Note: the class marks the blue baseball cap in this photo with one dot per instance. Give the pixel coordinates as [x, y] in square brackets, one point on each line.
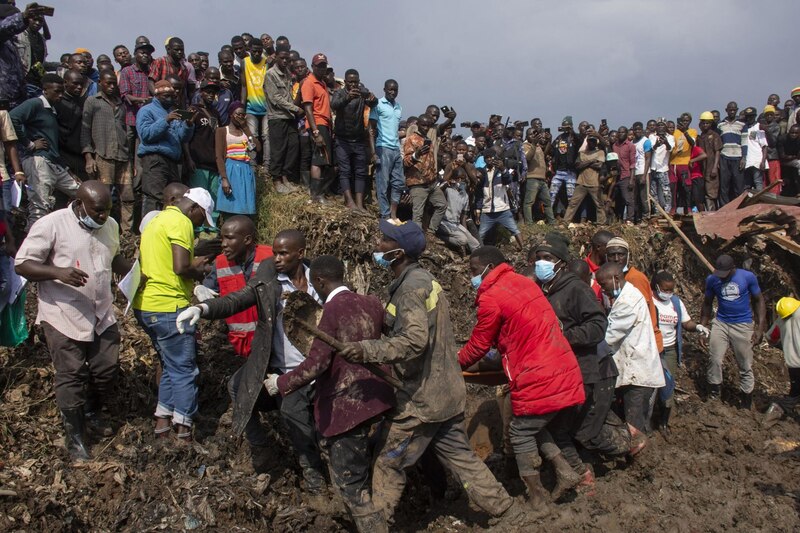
[408, 235]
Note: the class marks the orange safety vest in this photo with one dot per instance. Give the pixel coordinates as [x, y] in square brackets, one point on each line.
[241, 326]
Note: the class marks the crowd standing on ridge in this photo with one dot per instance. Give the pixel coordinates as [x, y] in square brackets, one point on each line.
[165, 148]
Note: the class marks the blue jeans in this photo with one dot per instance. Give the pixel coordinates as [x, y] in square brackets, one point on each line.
[659, 189]
[490, 220]
[562, 177]
[177, 391]
[389, 178]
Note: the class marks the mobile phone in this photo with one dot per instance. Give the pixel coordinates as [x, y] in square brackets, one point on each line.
[445, 109]
[427, 142]
[466, 124]
[459, 157]
[185, 114]
[547, 130]
[47, 11]
[523, 123]
[604, 122]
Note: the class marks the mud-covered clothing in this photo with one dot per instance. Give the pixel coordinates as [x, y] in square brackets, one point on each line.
[514, 316]
[346, 394]
[583, 321]
[403, 443]
[420, 345]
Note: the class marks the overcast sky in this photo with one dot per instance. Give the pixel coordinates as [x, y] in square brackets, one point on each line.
[616, 59]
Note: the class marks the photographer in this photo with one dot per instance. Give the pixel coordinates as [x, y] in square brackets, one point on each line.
[420, 170]
[565, 152]
[352, 138]
[662, 143]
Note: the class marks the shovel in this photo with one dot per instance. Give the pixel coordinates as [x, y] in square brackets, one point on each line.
[301, 314]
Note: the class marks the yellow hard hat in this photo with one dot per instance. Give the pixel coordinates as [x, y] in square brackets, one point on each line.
[786, 306]
[706, 115]
[769, 109]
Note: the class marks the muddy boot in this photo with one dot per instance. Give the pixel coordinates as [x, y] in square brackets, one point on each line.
[663, 424]
[259, 458]
[587, 483]
[315, 481]
[371, 523]
[566, 477]
[538, 497]
[74, 429]
[94, 420]
[638, 441]
[774, 413]
[714, 392]
[746, 401]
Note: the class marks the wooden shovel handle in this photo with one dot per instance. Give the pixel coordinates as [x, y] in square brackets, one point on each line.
[338, 345]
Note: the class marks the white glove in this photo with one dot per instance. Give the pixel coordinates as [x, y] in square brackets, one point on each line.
[271, 384]
[704, 331]
[192, 315]
[203, 293]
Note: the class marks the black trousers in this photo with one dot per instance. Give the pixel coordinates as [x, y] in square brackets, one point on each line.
[157, 172]
[297, 411]
[351, 156]
[284, 148]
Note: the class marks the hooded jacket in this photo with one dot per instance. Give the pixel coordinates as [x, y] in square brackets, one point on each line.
[583, 321]
[514, 316]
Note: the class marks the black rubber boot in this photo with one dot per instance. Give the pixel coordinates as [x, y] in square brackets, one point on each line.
[663, 425]
[714, 392]
[538, 497]
[74, 429]
[746, 401]
[566, 477]
[94, 420]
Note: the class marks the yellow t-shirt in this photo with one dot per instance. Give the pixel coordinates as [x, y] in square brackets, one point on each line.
[682, 151]
[164, 291]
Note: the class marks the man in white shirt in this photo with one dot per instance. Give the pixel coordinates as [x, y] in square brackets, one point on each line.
[754, 148]
[662, 143]
[631, 339]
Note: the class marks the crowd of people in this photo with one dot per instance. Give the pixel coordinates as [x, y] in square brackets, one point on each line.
[168, 147]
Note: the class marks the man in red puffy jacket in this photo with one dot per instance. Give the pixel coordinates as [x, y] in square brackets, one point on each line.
[543, 374]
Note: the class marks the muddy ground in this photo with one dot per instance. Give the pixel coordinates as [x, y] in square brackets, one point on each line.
[719, 471]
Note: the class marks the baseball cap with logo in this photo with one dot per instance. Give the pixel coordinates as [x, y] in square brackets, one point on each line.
[723, 266]
[319, 59]
[202, 198]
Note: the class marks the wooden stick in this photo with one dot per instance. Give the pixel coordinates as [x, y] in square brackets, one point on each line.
[683, 236]
[750, 200]
[338, 345]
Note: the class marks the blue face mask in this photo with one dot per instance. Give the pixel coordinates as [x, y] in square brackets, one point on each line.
[88, 221]
[545, 270]
[476, 280]
[378, 257]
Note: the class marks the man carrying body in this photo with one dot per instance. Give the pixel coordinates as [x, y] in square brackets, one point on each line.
[420, 172]
[631, 340]
[162, 133]
[36, 127]
[233, 268]
[735, 289]
[618, 251]
[543, 374]
[273, 353]
[583, 324]
[384, 121]
[349, 400]
[429, 408]
[71, 253]
[105, 146]
[168, 262]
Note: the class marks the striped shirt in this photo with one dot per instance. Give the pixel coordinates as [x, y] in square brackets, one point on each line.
[236, 146]
[731, 133]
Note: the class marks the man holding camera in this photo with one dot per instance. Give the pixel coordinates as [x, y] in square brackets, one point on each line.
[565, 152]
[420, 170]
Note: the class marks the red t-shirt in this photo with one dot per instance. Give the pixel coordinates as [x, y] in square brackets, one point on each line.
[696, 169]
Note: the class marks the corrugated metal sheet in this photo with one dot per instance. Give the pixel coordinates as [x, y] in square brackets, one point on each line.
[724, 223]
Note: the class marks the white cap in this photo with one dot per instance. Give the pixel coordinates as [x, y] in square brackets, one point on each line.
[202, 198]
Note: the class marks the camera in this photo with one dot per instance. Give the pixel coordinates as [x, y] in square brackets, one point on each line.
[445, 110]
[466, 124]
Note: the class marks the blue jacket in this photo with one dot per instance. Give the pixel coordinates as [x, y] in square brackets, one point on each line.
[12, 82]
[157, 136]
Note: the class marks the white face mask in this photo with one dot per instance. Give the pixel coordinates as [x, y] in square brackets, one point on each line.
[664, 296]
[88, 221]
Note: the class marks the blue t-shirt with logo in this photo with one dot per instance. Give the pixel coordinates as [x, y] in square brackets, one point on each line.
[733, 296]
